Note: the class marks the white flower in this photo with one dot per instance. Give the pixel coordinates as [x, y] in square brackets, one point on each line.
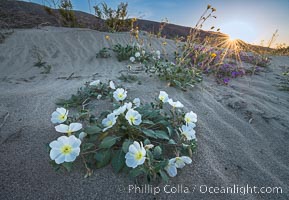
[119, 110]
[95, 83]
[98, 96]
[132, 59]
[128, 105]
[73, 127]
[188, 132]
[109, 121]
[171, 168]
[65, 149]
[143, 52]
[158, 53]
[176, 104]
[163, 96]
[177, 162]
[82, 135]
[137, 54]
[59, 116]
[120, 94]
[136, 155]
[111, 85]
[182, 161]
[133, 117]
[136, 102]
[191, 118]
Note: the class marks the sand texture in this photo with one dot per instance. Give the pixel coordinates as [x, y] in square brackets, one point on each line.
[242, 130]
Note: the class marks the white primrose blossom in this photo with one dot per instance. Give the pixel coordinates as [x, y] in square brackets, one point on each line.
[120, 94]
[177, 162]
[188, 132]
[137, 54]
[111, 85]
[136, 102]
[59, 116]
[157, 55]
[171, 168]
[132, 59]
[109, 121]
[128, 105]
[143, 52]
[136, 155]
[65, 149]
[95, 83]
[98, 96]
[163, 96]
[119, 110]
[73, 127]
[191, 118]
[182, 161]
[82, 135]
[176, 104]
[133, 117]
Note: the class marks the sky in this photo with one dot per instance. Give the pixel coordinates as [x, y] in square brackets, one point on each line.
[249, 20]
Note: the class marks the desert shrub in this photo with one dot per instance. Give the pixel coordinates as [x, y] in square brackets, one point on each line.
[284, 81]
[39, 61]
[145, 140]
[255, 59]
[67, 14]
[124, 52]
[93, 90]
[103, 53]
[115, 19]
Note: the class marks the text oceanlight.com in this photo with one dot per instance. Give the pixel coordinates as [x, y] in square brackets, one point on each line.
[203, 189]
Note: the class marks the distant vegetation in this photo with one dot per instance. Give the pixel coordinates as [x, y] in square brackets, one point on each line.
[115, 19]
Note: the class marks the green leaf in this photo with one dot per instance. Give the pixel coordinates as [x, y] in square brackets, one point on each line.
[162, 135]
[157, 152]
[136, 172]
[148, 122]
[164, 176]
[125, 145]
[118, 161]
[67, 165]
[86, 146]
[108, 142]
[92, 130]
[149, 133]
[161, 165]
[146, 141]
[170, 130]
[102, 157]
[171, 141]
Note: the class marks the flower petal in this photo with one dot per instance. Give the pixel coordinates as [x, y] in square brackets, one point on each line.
[61, 128]
[75, 127]
[54, 153]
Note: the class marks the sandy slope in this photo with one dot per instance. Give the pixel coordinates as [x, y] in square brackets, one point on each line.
[231, 150]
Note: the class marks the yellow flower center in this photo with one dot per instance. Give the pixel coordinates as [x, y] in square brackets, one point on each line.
[187, 119]
[109, 123]
[69, 132]
[131, 119]
[120, 95]
[162, 98]
[66, 149]
[61, 117]
[138, 155]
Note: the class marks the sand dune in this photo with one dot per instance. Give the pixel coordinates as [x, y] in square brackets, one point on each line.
[243, 128]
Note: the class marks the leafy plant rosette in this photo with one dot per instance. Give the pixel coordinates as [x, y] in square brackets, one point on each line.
[149, 141]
